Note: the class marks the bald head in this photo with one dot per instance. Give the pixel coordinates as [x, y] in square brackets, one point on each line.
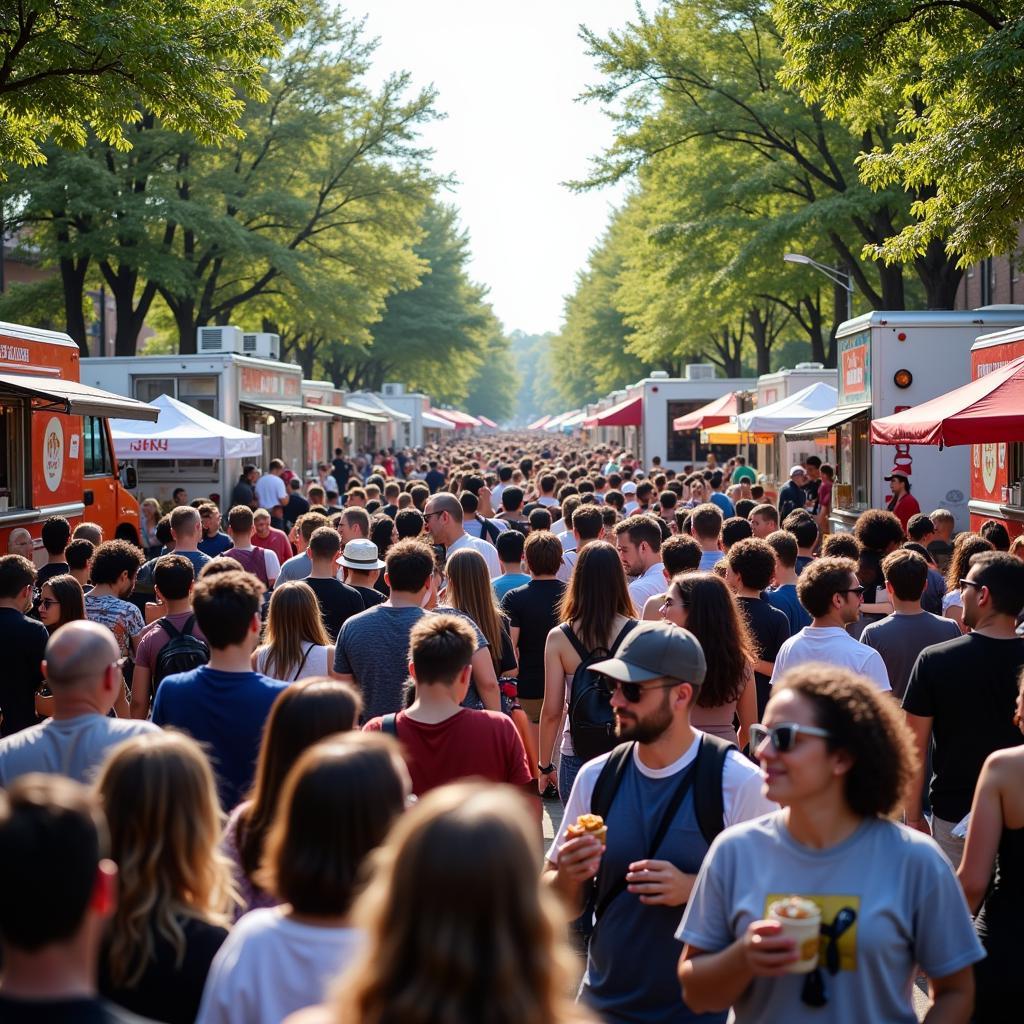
[445, 503]
[20, 543]
[79, 654]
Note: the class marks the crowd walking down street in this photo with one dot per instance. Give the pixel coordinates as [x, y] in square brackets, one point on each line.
[266, 786]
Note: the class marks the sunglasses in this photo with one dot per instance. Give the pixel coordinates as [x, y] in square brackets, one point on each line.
[859, 591]
[783, 736]
[633, 692]
[49, 602]
[969, 583]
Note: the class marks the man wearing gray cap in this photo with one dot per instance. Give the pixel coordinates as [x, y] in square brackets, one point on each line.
[664, 793]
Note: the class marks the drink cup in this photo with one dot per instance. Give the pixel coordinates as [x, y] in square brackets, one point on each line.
[801, 921]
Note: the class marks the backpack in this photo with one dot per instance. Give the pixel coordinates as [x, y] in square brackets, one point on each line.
[704, 777]
[253, 561]
[591, 721]
[488, 531]
[182, 652]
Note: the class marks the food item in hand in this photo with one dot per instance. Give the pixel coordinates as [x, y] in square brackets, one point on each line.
[800, 919]
[589, 824]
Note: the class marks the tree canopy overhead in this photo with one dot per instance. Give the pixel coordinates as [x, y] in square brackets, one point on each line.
[68, 67]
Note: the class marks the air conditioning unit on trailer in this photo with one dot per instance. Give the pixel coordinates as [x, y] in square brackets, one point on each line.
[218, 339]
[700, 371]
[262, 345]
[392, 390]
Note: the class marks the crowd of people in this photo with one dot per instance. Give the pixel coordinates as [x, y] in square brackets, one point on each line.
[288, 759]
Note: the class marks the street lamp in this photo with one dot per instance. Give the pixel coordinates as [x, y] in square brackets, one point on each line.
[836, 276]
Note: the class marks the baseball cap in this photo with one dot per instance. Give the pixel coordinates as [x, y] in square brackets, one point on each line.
[797, 469]
[361, 554]
[629, 487]
[896, 471]
[655, 649]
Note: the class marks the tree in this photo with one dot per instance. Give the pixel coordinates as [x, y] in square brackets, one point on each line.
[956, 68]
[75, 66]
[492, 389]
[704, 75]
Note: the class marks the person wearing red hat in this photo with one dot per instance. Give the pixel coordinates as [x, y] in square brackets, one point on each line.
[902, 504]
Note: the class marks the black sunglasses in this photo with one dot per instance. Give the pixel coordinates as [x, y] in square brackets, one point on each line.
[633, 692]
[969, 583]
[783, 736]
[813, 992]
[851, 590]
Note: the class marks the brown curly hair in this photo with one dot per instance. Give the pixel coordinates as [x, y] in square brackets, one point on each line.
[868, 725]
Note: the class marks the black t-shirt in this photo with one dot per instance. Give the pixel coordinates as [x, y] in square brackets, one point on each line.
[342, 470]
[434, 480]
[790, 497]
[166, 992]
[295, 506]
[48, 571]
[63, 1011]
[769, 629]
[24, 641]
[370, 596]
[338, 602]
[533, 608]
[968, 687]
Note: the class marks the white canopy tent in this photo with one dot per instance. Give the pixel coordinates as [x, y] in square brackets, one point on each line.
[786, 413]
[432, 422]
[182, 432]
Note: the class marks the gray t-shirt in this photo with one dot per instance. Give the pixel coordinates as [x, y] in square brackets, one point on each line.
[74, 747]
[296, 568]
[899, 639]
[909, 910]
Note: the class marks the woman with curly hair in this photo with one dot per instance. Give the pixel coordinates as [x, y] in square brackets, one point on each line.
[702, 603]
[175, 893]
[443, 941]
[965, 547]
[838, 758]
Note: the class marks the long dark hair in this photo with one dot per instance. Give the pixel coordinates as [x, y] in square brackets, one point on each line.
[713, 616]
[68, 592]
[303, 714]
[597, 592]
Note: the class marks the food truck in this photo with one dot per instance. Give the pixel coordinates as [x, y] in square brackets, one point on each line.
[997, 470]
[640, 420]
[258, 394]
[888, 362]
[56, 455]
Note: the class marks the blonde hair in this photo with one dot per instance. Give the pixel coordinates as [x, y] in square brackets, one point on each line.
[165, 825]
[443, 937]
[470, 590]
[292, 620]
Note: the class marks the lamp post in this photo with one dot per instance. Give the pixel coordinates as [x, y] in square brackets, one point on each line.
[842, 278]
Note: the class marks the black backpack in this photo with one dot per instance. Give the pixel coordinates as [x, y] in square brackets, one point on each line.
[488, 531]
[591, 721]
[182, 652]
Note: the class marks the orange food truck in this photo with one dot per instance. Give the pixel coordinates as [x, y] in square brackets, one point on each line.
[56, 456]
[997, 470]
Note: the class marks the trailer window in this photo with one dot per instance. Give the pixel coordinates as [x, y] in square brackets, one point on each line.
[12, 457]
[98, 459]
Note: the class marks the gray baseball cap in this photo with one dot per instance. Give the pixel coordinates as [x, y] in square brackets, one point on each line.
[654, 650]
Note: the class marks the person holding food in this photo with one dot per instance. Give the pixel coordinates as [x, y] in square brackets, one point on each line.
[639, 821]
[828, 903]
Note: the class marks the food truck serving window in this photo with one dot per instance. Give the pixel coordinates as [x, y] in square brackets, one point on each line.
[855, 463]
[12, 456]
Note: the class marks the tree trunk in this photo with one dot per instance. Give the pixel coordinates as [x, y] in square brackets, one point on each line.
[762, 343]
[184, 312]
[815, 331]
[72, 274]
[939, 274]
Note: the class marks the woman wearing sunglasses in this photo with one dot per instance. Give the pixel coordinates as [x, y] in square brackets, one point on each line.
[836, 755]
[60, 600]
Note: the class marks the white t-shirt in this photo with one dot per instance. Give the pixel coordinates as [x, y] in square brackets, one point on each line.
[568, 541]
[833, 646]
[569, 559]
[270, 966]
[952, 599]
[271, 491]
[318, 660]
[652, 582]
[560, 528]
[742, 786]
[547, 501]
[485, 548]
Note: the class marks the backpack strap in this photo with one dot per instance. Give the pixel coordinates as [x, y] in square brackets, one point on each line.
[623, 633]
[389, 725]
[708, 802]
[575, 641]
[165, 624]
[607, 784]
[189, 623]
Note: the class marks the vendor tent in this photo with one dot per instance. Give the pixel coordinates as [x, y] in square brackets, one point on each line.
[714, 414]
[778, 417]
[182, 432]
[537, 424]
[462, 420]
[432, 422]
[487, 422]
[989, 410]
[627, 413]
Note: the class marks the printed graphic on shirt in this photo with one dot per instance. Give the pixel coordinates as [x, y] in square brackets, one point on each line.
[837, 945]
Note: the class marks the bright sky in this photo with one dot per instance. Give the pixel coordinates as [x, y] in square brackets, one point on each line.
[508, 75]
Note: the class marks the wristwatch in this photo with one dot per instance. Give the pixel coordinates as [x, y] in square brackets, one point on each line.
[545, 769]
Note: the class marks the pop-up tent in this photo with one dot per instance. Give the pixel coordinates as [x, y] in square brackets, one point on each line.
[780, 416]
[182, 432]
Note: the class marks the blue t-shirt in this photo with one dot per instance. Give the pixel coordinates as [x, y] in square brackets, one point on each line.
[723, 502]
[509, 581]
[784, 598]
[215, 545]
[225, 711]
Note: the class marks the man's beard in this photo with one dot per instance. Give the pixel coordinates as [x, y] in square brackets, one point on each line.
[647, 729]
